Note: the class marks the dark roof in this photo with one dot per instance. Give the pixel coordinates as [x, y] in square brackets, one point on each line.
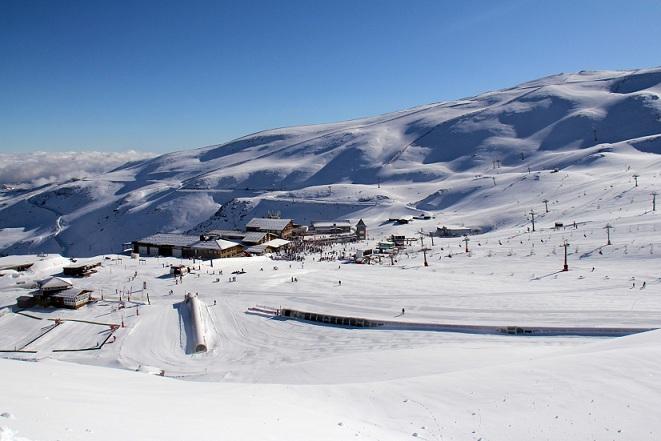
[179, 240]
[227, 233]
[70, 293]
[331, 224]
[262, 223]
[254, 237]
[83, 265]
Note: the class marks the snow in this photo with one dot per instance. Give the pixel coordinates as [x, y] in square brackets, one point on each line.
[601, 391]
[394, 162]
[272, 378]
[269, 378]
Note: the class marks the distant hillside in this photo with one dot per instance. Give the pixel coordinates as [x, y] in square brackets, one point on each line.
[434, 157]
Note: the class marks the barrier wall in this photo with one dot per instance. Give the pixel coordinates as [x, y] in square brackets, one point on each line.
[356, 322]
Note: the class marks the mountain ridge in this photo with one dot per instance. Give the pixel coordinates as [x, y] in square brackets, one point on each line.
[544, 124]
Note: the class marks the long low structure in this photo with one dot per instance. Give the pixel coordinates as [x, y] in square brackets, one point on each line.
[80, 269]
[455, 231]
[539, 331]
[186, 246]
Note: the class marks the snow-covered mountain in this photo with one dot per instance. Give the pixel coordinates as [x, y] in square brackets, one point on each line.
[482, 151]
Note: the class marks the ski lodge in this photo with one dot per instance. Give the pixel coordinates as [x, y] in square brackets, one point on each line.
[186, 246]
[262, 236]
[454, 231]
[333, 227]
[282, 228]
[55, 292]
[232, 235]
[321, 232]
[213, 249]
[81, 269]
[271, 246]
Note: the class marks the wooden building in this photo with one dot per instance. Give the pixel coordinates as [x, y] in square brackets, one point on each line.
[81, 269]
[454, 231]
[72, 298]
[271, 246]
[25, 301]
[331, 227]
[233, 235]
[164, 244]
[58, 293]
[282, 228]
[53, 284]
[213, 249]
[257, 238]
[205, 246]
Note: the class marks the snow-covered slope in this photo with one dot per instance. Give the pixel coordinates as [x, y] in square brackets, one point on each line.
[603, 391]
[433, 157]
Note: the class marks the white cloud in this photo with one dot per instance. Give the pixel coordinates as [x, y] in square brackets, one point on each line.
[39, 168]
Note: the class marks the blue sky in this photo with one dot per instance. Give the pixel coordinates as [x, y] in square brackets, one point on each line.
[169, 75]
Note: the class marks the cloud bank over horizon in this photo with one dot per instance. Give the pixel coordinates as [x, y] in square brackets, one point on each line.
[39, 168]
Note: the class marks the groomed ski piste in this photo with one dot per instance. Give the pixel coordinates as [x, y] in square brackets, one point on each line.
[132, 368]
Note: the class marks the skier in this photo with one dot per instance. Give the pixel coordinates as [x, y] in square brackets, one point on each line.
[340, 282]
[403, 311]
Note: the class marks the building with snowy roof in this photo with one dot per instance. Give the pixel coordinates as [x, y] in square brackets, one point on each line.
[186, 246]
[454, 231]
[53, 284]
[81, 269]
[164, 244]
[257, 237]
[72, 298]
[280, 227]
[271, 246]
[331, 227]
[225, 234]
[213, 249]
[56, 292]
